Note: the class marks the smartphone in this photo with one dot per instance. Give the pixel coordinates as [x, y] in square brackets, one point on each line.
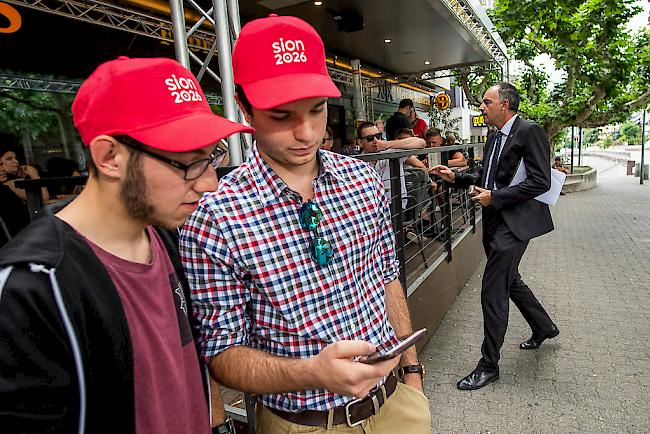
[395, 351]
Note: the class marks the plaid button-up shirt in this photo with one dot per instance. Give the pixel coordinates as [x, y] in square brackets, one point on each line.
[253, 279]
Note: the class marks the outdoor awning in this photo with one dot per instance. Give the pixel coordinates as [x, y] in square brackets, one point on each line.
[444, 33]
[419, 30]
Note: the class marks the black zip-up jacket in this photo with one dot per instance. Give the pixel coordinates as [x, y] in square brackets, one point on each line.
[66, 363]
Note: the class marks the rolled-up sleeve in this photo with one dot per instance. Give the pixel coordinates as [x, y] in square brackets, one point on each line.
[219, 296]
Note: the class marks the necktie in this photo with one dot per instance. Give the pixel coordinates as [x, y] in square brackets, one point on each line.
[494, 163]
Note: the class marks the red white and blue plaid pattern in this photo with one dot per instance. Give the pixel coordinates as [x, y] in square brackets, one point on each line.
[254, 282]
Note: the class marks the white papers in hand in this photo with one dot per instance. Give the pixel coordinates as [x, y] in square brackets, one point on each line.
[557, 181]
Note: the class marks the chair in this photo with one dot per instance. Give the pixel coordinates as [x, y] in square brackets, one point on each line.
[417, 187]
[5, 235]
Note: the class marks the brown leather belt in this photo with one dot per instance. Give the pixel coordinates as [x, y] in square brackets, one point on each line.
[352, 414]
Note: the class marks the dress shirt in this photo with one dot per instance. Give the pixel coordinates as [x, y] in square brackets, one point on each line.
[505, 130]
[254, 282]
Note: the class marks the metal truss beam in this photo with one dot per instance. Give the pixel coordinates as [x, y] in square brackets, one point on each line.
[454, 72]
[466, 16]
[16, 82]
[340, 76]
[423, 78]
[116, 17]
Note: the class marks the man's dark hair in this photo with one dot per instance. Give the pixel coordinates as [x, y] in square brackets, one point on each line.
[406, 102]
[509, 92]
[4, 149]
[243, 99]
[558, 159]
[432, 132]
[409, 132]
[362, 126]
[8, 143]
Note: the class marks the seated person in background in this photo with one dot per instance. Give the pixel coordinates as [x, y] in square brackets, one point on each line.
[456, 158]
[369, 139]
[58, 167]
[557, 165]
[9, 163]
[433, 139]
[328, 139]
[413, 160]
[13, 211]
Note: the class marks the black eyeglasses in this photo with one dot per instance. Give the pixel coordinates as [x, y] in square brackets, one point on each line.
[310, 217]
[191, 171]
[371, 137]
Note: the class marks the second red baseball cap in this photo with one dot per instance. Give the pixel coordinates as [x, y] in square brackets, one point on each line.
[278, 60]
[153, 100]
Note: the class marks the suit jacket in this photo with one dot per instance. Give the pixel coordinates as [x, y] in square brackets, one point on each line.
[525, 217]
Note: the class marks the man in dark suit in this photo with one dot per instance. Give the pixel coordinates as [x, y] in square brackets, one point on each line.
[511, 217]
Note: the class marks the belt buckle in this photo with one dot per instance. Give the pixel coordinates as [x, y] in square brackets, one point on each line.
[375, 405]
[348, 416]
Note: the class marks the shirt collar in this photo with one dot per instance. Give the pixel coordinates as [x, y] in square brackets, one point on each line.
[329, 165]
[271, 186]
[505, 129]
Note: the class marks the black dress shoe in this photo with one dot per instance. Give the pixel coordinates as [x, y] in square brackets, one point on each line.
[477, 379]
[535, 341]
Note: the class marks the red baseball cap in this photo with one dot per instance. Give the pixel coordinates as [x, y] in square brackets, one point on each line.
[156, 101]
[278, 60]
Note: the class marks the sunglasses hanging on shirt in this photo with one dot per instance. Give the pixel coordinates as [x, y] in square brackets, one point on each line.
[310, 217]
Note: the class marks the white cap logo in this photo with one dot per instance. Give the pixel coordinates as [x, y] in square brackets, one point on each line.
[289, 51]
[182, 89]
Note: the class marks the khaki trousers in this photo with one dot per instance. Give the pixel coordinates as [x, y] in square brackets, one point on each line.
[405, 412]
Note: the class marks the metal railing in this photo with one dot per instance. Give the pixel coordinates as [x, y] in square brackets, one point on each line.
[433, 215]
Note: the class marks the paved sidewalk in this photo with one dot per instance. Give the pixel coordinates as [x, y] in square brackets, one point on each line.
[593, 276]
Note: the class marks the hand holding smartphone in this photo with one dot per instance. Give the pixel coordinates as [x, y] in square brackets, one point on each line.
[395, 351]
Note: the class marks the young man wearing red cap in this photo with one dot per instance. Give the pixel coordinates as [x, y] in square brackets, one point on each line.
[291, 262]
[96, 331]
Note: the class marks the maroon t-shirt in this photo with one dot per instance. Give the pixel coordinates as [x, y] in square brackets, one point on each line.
[169, 394]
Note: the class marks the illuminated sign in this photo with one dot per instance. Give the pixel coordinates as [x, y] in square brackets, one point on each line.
[442, 101]
[478, 121]
[13, 16]
[194, 43]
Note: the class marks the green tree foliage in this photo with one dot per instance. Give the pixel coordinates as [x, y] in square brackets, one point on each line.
[29, 111]
[606, 70]
[631, 133]
[608, 142]
[590, 136]
[40, 115]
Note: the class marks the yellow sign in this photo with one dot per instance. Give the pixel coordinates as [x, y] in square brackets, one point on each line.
[194, 43]
[442, 101]
[13, 16]
[478, 121]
